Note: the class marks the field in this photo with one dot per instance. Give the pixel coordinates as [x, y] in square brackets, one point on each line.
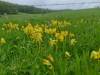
[56, 43]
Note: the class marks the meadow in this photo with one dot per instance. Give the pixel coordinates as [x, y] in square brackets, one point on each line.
[55, 43]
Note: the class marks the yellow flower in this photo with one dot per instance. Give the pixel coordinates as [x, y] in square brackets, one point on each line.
[50, 30]
[95, 55]
[46, 62]
[52, 42]
[35, 33]
[2, 41]
[37, 37]
[38, 29]
[64, 33]
[29, 29]
[73, 41]
[50, 58]
[11, 26]
[59, 36]
[67, 54]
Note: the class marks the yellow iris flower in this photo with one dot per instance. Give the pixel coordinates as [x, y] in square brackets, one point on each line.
[73, 41]
[52, 42]
[2, 41]
[95, 55]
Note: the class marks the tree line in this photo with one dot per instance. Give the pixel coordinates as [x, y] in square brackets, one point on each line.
[10, 8]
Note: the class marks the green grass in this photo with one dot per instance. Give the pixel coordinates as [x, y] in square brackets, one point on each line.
[28, 60]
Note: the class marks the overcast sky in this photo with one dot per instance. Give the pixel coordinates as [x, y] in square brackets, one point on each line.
[72, 6]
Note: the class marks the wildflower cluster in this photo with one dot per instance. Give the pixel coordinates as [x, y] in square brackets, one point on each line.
[59, 23]
[61, 35]
[56, 35]
[10, 26]
[34, 32]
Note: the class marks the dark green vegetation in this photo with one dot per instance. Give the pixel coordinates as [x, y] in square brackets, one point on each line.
[28, 60]
[10, 8]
